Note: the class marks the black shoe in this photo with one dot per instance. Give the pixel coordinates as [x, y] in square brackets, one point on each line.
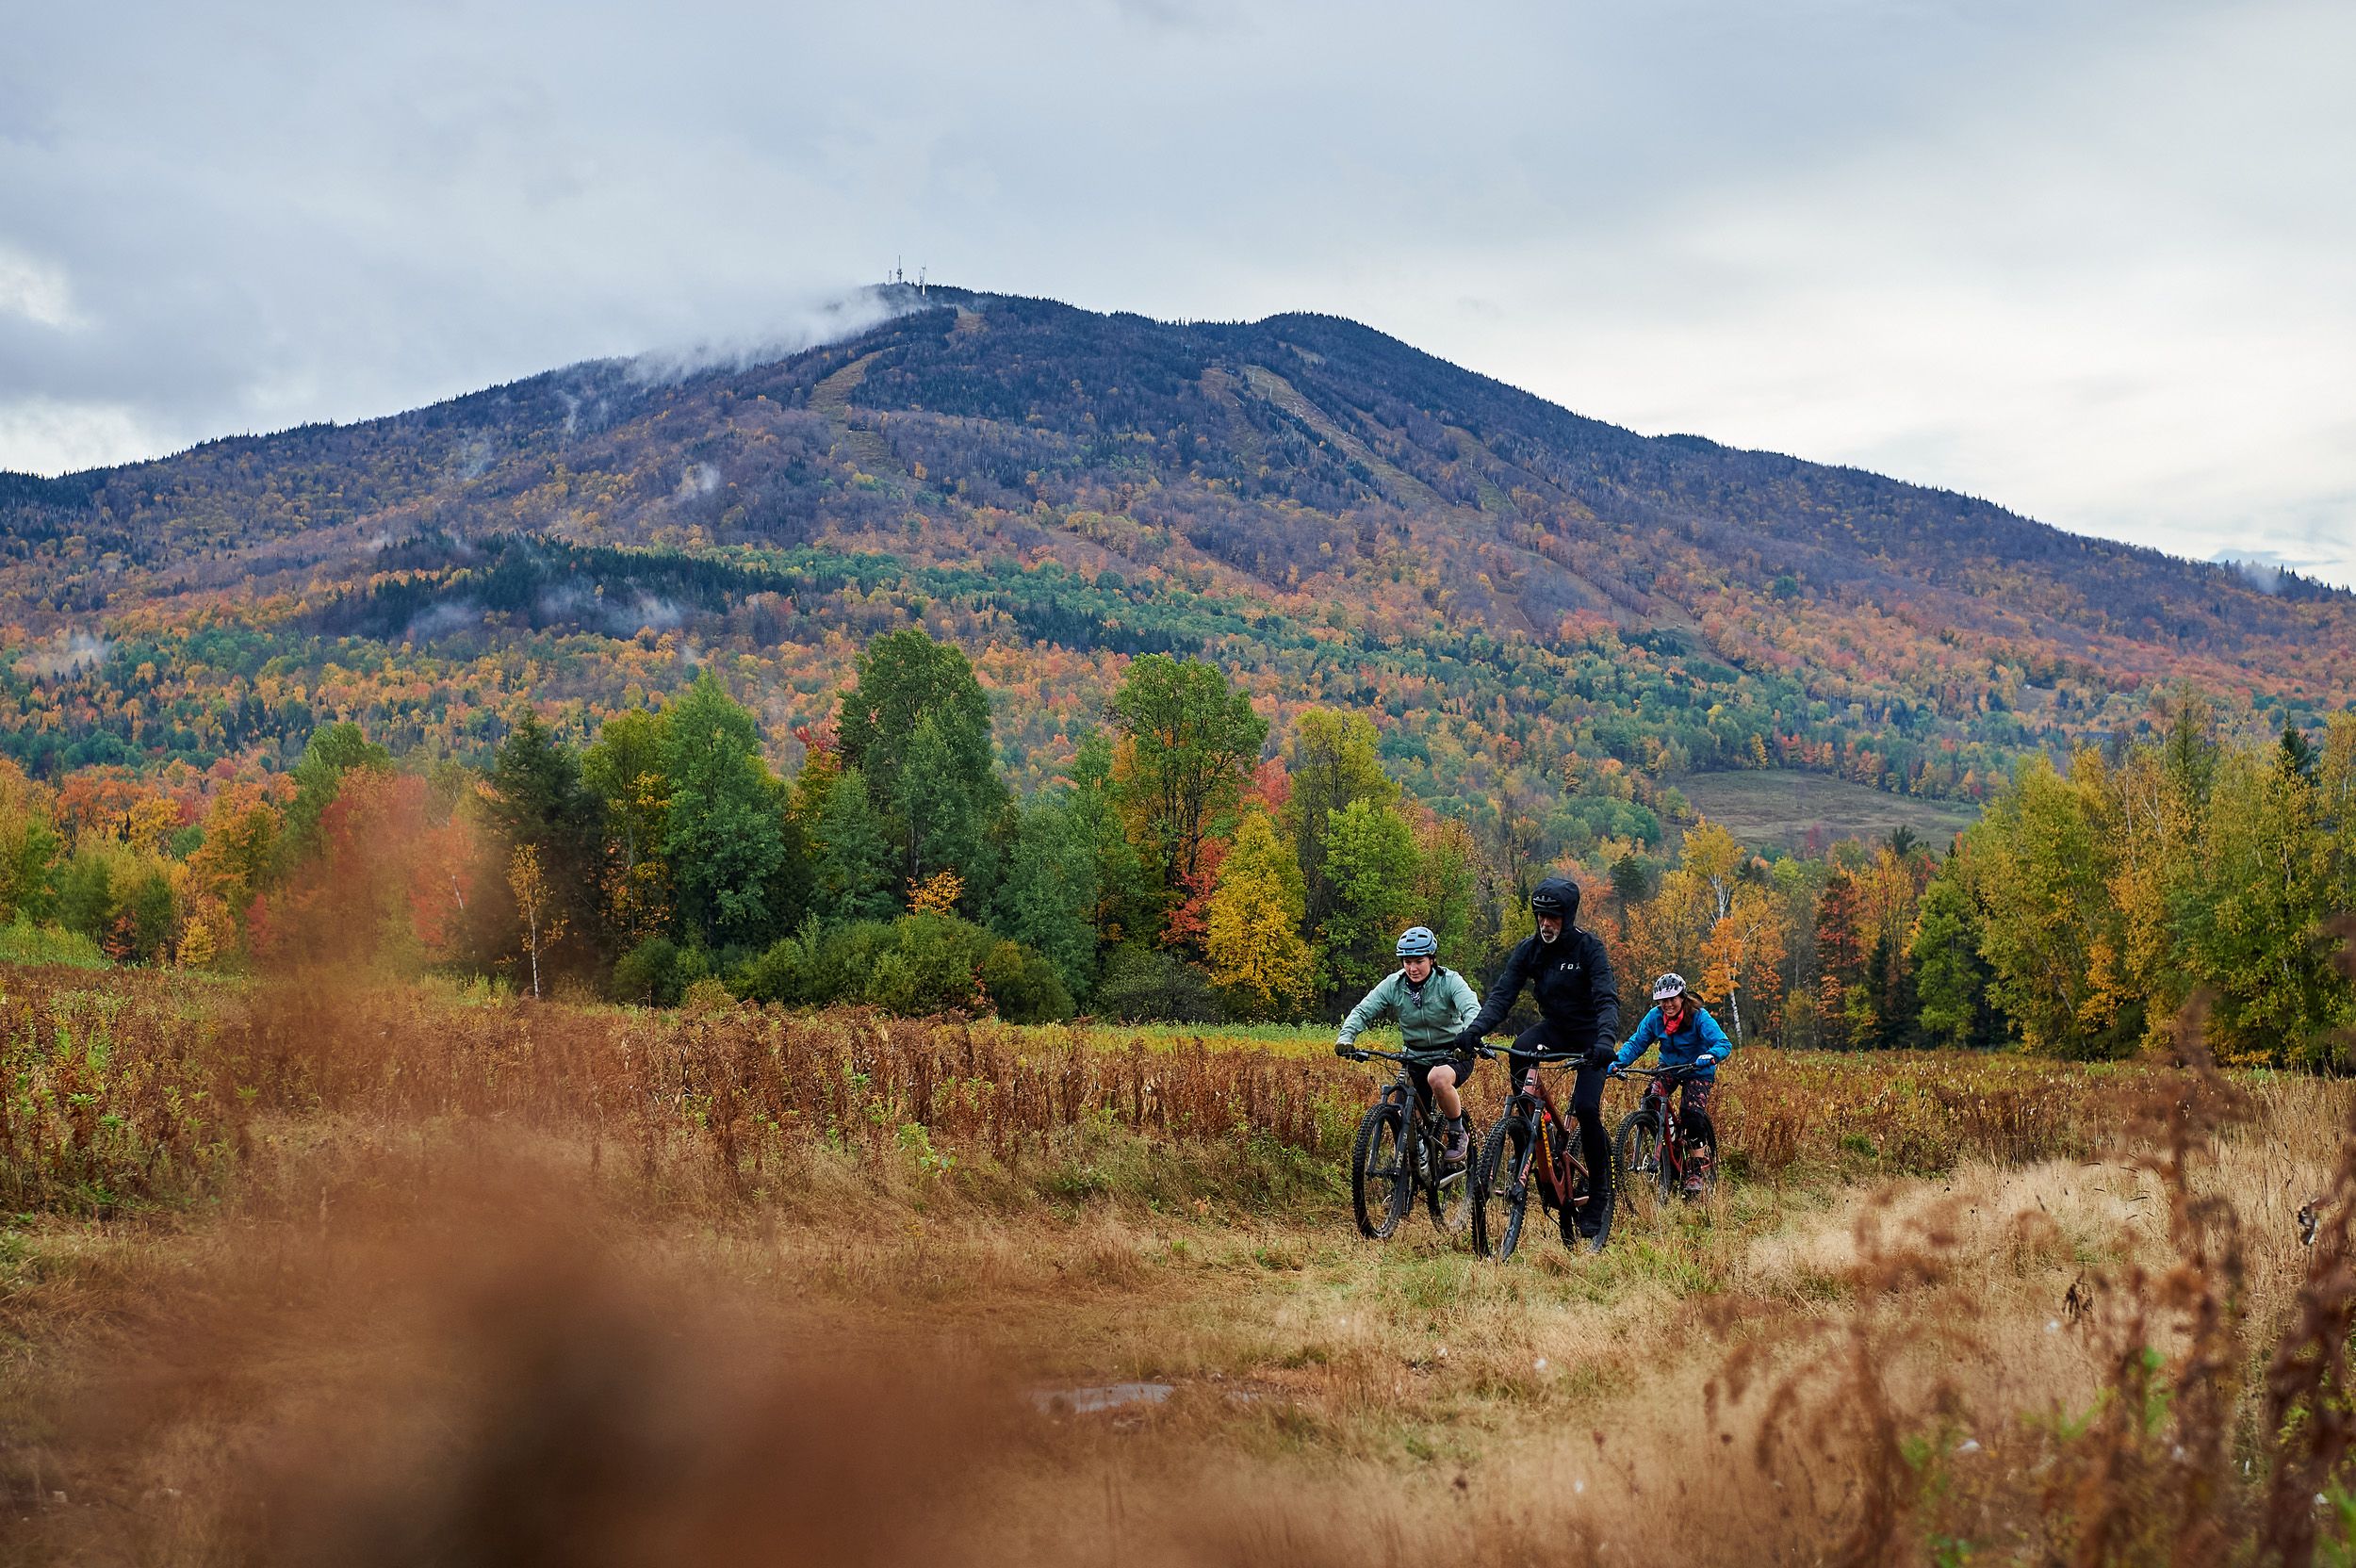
[1458, 1147]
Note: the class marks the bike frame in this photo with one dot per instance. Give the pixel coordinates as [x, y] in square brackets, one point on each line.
[1559, 1159]
[1669, 1148]
[1424, 1147]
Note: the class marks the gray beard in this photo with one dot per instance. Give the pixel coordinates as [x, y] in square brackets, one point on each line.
[1544, 937]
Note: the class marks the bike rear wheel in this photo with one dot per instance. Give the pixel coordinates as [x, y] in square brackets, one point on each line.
[1644, 1169]
[1501, 1187]
[1701, 1165]
[1382, 1173]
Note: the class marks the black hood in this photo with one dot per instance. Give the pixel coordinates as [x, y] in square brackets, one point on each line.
[1565, 889]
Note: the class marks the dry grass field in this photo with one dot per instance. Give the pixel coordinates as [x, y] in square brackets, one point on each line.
[311, 1273]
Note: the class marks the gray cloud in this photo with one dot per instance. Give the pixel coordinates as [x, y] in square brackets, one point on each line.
[2097, 261]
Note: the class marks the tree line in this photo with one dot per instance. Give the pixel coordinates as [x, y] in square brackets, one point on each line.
[1190, 866]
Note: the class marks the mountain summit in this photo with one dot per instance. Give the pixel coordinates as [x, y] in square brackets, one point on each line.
[1105, 482]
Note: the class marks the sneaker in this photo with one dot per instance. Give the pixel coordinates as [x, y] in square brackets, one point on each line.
[1697, 1188]
[1458, 1146]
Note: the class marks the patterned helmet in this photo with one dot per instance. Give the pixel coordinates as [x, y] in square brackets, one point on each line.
[1418, 941]
[1672, 983]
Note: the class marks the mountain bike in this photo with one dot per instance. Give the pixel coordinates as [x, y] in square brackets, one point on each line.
[1656, 1148]
[1533, 1147]
[1400, 1151]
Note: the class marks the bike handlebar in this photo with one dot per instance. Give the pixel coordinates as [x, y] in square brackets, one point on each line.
[1536, 1058]
[1410, 1058]
[1662, 1072]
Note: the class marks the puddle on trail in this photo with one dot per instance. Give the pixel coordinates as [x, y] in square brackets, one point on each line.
[1084, 1401]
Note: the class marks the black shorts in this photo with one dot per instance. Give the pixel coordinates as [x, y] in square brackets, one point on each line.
[1464, 1065]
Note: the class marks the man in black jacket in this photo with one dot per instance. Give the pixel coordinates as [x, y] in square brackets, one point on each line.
[1569, 975]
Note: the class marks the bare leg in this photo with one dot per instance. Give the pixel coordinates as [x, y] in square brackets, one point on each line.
[1443, 1082]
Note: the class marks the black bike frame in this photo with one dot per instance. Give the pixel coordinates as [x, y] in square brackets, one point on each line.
[1423, 1147]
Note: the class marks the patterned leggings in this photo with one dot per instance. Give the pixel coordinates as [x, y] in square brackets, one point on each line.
[1692, 1106]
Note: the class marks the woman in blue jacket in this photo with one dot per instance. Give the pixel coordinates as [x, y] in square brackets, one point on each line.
[1688, 1036]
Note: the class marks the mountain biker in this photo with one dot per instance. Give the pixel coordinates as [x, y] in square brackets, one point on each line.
[1569, 974]
[1431, 1004]
[1689, 1037]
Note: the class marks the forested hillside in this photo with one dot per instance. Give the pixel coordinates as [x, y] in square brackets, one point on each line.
[1336, 516]
[1528, 626]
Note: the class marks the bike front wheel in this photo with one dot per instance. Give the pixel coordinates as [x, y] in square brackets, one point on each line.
[1382, 1179]
[1501, 1187]
[1446, 1193]
[1646, 1172]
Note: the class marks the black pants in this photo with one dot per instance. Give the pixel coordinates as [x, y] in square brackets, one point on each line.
[1586, 1105]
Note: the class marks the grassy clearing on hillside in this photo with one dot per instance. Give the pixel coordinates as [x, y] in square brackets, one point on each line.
[1802, 812]
[412, 1280]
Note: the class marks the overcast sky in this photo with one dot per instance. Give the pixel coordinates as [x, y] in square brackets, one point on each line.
[2094, 261]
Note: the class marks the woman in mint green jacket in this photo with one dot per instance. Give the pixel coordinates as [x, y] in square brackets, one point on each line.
[1432, 1007]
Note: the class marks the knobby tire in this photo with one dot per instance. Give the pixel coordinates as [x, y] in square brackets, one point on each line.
[1637, 1147]
[1502, 1189]
[1381, 1177]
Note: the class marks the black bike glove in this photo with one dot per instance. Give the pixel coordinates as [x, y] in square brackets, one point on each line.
[1600, 1056]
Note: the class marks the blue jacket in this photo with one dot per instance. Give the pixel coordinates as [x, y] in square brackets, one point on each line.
[1700, 1040]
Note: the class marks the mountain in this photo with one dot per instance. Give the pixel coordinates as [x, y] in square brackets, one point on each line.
[1548, 614]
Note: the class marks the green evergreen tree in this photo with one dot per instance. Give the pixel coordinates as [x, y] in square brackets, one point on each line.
[725, 831]
[916, 725]
[538, 801]
[856, 865]
[1370, 856]
[1333, 761]
[1951, 977]
[1049, 897]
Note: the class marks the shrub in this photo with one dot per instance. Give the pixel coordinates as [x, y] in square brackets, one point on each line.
[935, 964]
[25, 943]
[845, 959]
[657, 971]
[1143, 985]
[1024, 986]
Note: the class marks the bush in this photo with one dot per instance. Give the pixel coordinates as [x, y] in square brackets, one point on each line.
[935, 964]
[1145, 985]
[25, 943]
[916, 965]
[657, 971]
[844, 960]
[1024, 986]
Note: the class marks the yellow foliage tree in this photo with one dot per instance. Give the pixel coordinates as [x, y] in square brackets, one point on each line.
[1252, 930]
[1744, 958]
[536, 908]
[937, 894]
